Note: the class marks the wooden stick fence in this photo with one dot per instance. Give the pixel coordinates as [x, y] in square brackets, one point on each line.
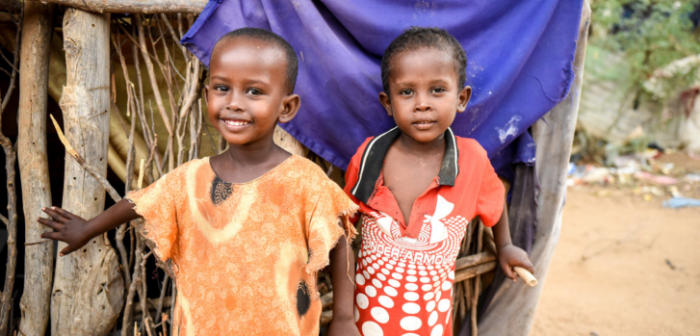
[163, 126]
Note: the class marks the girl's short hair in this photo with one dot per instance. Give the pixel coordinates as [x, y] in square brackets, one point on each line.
[276, 40]
[422, 37]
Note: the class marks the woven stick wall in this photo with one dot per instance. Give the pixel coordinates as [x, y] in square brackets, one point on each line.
[157, 121]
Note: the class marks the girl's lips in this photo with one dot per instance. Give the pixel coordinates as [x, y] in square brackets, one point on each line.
[424, 124]
[235, 125]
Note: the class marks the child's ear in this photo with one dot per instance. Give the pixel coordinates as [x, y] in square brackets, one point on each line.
[463, 98]
[290, 107]
[384, 99]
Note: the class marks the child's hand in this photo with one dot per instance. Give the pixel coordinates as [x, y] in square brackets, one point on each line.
[342, 327]
[69, 228]
[510, 256]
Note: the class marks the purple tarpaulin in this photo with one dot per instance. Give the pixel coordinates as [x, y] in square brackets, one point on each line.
[520, 64]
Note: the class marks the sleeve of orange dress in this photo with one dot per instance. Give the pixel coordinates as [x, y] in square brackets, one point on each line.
[157, 204]
[331, 208]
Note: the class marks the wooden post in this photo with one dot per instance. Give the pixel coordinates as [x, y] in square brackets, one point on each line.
[88, 291]
[7, 301]
[34, 166]
[134, 6]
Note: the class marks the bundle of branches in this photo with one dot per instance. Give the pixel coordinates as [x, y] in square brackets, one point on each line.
[156, 123]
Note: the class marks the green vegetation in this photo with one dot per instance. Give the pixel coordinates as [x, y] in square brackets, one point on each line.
[643, 36]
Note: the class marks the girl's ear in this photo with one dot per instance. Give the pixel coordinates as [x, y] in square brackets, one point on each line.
[463, 98]
[290, 107]
[384, 99]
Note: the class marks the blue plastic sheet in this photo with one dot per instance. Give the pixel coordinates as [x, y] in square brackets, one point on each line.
[681, 202]
[520, 64]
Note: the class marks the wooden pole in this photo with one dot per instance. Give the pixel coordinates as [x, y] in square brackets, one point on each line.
[88, 291]
[34, 166]
[12, 6]
[10, 222]
[118, 136]
[134, 6]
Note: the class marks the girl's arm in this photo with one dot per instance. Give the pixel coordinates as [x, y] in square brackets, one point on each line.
[509, 255]
[342, 269]
[77, 232]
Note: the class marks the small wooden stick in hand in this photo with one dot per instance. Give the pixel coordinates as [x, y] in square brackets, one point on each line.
[529, 279]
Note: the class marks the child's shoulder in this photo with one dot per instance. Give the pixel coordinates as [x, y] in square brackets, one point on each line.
[181, 170]
[470, 148]
[305, 170]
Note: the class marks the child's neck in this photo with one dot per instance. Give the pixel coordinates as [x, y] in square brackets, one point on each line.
[405, 142]
[240, 164]
[409, 169]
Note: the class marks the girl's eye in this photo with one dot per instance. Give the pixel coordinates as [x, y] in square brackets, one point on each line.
[221, 88]
[254, 92]
[405, 92]
[438, 90]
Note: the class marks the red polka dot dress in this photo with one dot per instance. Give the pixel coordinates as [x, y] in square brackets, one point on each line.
[405, 274]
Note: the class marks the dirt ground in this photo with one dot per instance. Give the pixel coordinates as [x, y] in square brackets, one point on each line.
[623, 266]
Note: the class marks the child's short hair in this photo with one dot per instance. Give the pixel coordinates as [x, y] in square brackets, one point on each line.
[421, 37]
[268, 36]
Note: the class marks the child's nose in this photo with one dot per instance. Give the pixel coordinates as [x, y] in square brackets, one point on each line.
[422, 106]
[236, 102]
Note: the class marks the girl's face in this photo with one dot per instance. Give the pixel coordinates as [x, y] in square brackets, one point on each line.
[423, 95]
[247, 92]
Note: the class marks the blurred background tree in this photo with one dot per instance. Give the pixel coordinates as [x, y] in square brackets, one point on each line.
[650, 35]
[641, 79]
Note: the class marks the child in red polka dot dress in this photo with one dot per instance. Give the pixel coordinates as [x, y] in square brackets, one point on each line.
[418, 186]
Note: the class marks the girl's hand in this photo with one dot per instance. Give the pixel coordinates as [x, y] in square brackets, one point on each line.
[68, 227]
[510, 256]
[343, 326]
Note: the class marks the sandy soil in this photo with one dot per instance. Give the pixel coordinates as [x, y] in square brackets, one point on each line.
[623, 266]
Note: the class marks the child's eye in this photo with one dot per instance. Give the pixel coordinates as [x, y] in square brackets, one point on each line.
[221, 88]
[438, 90]
[254, 92]
[406, 92]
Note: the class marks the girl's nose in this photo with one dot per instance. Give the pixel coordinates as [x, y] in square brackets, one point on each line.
[422, 106]
[236, 102]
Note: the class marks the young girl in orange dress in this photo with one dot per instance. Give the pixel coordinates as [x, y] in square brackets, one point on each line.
[247, 230]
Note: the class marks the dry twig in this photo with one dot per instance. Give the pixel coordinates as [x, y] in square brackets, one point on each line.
[11, 220]
[81, 161]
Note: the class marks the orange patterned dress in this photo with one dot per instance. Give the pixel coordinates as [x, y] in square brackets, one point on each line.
[245, 256]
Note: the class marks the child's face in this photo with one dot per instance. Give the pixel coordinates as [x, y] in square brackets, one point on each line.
[423, 95]
[247, 93]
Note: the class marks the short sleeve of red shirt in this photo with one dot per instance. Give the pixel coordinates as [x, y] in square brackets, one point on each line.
[489, 204]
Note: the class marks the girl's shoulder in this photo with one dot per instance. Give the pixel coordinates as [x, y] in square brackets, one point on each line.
[304, 169]
[470, 148]
[180, 172]
[308, 176]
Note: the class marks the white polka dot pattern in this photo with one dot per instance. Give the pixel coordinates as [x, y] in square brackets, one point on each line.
[403, 289]
[370, 328]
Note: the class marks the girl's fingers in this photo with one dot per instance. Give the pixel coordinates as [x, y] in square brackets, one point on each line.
[529, 267]
[508, 271]
[63, 213]
[66, 250]
[50, 223]
[51, 235]
[527, 264]
[55, 215]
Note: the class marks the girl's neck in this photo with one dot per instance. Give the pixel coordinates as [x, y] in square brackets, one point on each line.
[254, 154]
[412, 146]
